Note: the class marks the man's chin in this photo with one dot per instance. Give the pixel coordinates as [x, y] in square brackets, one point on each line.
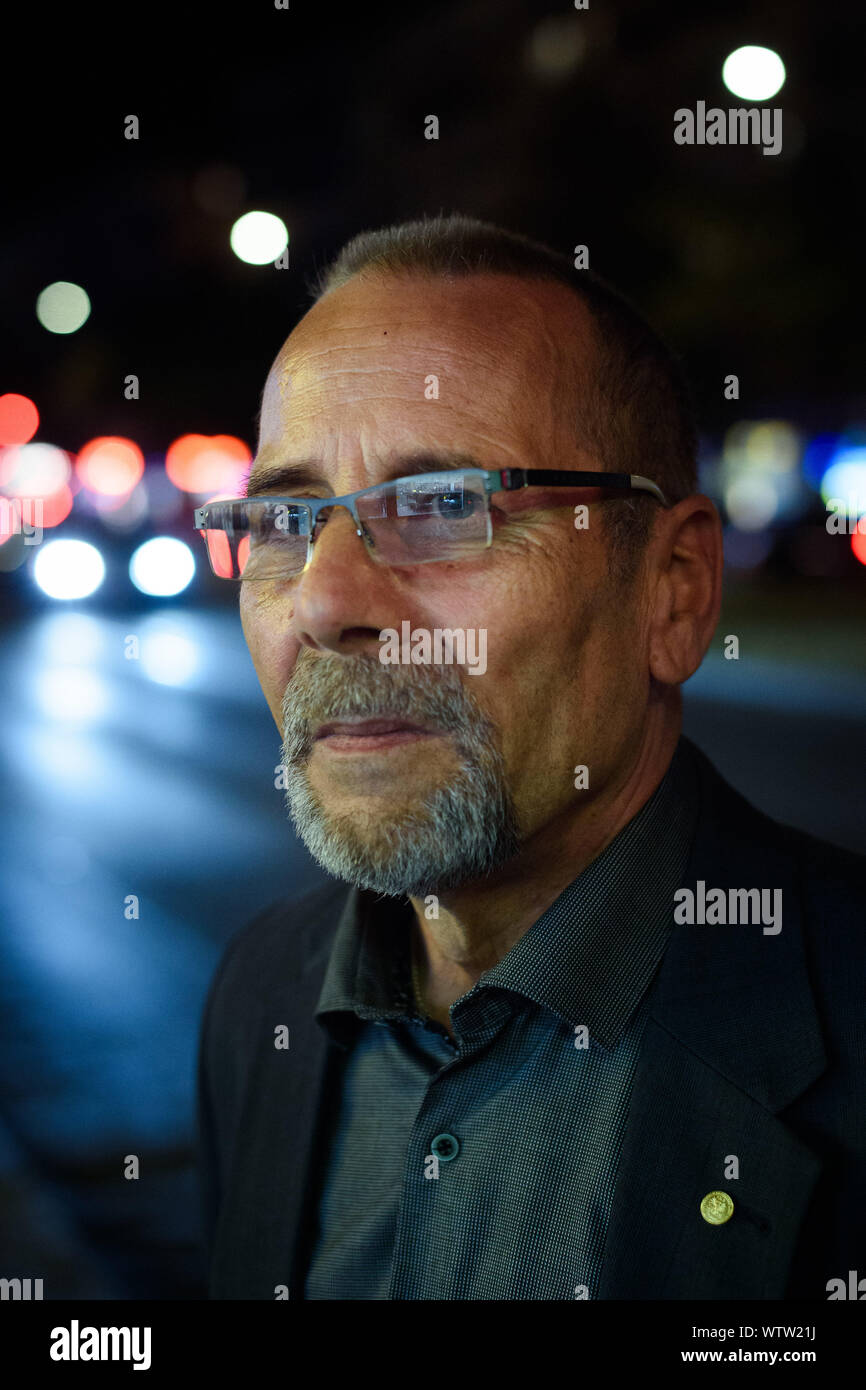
[378, 869]
[403, 837]
[394, 856]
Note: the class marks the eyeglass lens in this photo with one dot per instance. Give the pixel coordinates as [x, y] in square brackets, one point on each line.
[406, 521]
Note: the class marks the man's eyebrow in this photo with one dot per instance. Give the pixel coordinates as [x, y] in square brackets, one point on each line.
[285, 477]
[288, 477]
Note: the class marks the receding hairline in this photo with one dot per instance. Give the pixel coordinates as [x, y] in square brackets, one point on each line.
[369, 276]
[578, 330]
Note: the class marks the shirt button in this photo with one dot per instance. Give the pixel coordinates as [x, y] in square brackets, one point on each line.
[717, 1208]
[445, 1147]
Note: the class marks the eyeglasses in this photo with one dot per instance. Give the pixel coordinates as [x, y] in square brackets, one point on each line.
[416, 520]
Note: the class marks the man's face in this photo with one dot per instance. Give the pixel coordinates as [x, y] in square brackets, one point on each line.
[566, 677]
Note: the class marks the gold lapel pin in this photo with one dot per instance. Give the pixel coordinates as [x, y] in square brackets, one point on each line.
[717, 1208]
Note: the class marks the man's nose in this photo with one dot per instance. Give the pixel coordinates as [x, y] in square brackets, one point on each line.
[341, 598]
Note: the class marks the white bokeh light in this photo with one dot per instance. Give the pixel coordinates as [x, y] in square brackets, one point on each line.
[162, 566]
[169, 658]
[753, 73]
[751, 502]
[62, 307]
[75, 639]
[68, 569]
[35, 470]
[259, 237]
[845, 481]
[73, 695]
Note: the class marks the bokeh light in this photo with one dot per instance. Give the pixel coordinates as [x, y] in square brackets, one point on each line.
[754, 73]
[56, 508]
[219, 551]
[555, 47]
[110, 465]
[34, 470]
[169, 658]
[66, 569]
[72, 694]
[259, 237]
[202, 464]
[162, 566]
[62, 307]
[122, 513]
[71, 639]
[19, 418]
[844, 481]
[750, 501]
[27, 515]
[817, 457]
[759, 476]
[19, 516]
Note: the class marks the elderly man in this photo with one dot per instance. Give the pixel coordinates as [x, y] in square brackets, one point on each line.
[583, 1024]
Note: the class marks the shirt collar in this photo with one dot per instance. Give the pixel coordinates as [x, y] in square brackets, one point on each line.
[589, 957]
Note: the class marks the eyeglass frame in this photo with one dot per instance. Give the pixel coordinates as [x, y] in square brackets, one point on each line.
[495, 480]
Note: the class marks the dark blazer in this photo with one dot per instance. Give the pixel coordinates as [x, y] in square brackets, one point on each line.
[755, 1047]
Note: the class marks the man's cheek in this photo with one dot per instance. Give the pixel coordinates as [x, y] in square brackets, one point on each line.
[254, 637]
[273, 654]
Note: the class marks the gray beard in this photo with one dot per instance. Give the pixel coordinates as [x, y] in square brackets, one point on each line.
[456, 833]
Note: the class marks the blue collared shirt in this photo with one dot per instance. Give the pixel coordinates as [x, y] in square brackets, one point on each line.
[485, 1167]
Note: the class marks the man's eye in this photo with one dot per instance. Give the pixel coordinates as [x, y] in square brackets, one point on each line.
[455, 504]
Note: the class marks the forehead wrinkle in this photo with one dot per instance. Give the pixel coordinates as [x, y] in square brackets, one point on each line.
[557, 335]
[528, 322]
[382, 385]
[398, 384]
[479, 353]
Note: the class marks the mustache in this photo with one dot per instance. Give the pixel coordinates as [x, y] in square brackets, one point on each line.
[327, 687]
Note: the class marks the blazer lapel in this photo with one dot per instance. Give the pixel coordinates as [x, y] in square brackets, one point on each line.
[732, 1038]
[266, 1214]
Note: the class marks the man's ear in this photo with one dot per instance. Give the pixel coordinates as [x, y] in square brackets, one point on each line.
[684, 571]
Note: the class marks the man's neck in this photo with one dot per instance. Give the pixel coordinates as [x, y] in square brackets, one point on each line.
[479, 922]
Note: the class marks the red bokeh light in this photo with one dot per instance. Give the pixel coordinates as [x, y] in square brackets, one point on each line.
[19, 419]
[110, 465]
[200, 463]
[57, 507]
[22, 513]
[218, 546]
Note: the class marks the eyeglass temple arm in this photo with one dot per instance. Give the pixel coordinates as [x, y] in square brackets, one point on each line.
[512, 478]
